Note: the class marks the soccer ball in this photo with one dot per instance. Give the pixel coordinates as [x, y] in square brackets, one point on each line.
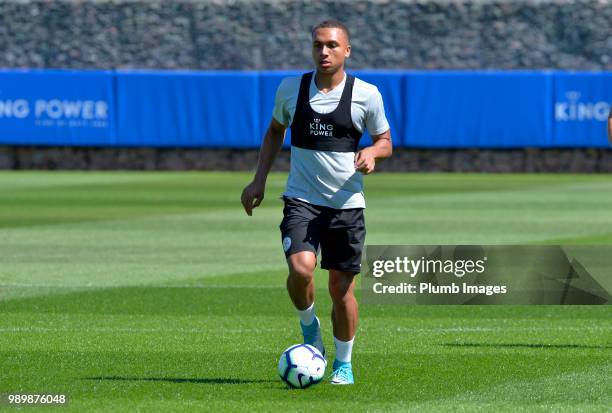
[301, 366]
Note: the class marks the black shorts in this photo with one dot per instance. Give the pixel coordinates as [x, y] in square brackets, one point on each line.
[339, 233]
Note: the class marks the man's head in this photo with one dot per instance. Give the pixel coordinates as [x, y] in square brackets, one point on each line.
[330, 45]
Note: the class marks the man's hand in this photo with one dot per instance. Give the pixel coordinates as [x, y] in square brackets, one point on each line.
[252, 195]
[365, 161]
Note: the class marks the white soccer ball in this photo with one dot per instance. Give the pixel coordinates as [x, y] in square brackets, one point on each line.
[301, 366]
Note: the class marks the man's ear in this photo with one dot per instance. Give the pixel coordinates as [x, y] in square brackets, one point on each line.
[347, 53]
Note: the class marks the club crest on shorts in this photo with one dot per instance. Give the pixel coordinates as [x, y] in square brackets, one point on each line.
[286, 244]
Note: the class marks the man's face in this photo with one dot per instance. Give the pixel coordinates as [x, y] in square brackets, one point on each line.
[330, 48]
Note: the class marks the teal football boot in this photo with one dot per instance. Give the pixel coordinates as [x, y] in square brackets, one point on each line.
[342, 374]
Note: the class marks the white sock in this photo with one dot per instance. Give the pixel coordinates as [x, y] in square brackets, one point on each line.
[307, 316]
[344, 349]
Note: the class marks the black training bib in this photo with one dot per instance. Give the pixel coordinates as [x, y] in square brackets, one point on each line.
[332, 131]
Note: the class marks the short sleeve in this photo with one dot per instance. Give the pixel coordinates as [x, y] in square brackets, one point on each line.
[280, 112]
[376, 121]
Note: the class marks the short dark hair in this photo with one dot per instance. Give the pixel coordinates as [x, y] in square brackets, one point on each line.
[332, 24]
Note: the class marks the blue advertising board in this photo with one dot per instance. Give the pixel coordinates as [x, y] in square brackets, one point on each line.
[56, 107]
[434, 109]
[478, 109]
[187, 109]
[582, 104]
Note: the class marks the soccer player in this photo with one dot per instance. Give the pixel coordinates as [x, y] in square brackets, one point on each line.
[327, 111]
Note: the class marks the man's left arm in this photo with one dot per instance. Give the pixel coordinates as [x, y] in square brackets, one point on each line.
[365, 159]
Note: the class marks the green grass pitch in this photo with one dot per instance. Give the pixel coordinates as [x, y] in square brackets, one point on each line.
[155, 292]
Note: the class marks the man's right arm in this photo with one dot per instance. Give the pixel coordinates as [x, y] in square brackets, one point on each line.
[253, 193]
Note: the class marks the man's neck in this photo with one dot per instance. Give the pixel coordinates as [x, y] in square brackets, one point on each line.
[328, 81]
